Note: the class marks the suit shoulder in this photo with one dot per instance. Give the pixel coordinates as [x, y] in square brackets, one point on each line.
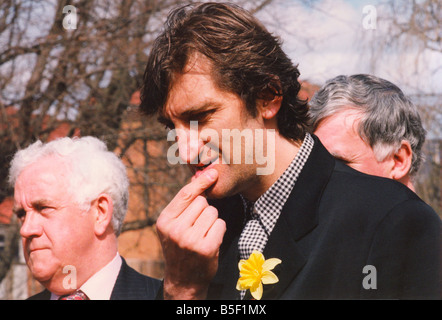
[44, 295]
[132, 285]
[379, 187]
[375, 196]
[142, 278]
[417, 216]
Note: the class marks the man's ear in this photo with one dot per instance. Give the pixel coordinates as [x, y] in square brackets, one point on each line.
[103, 210]
[269, 100]
[268, 105]
[269, 109]
[402, 162]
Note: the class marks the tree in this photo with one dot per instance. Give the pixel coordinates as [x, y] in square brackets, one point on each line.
[408, 40]
[83, 73]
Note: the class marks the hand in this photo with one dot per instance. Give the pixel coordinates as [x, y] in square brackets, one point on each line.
[191, 234]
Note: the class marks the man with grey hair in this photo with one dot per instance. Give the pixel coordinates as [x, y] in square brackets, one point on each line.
[371, 125]
[71, 197]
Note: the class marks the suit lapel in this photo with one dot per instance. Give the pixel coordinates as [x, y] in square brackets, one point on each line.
[44, 295]
[223, 285]
[119, 291]
[297, 219]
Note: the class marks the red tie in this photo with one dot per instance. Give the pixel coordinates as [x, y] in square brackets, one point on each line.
[77, 295]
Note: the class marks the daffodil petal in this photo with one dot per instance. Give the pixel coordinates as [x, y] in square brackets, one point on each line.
[257, 291]
[240, 264]
[268, 277]
[256, 271]
[256, 253]
[247, 268]
[247, 282]
[270, 264]
[256, 258]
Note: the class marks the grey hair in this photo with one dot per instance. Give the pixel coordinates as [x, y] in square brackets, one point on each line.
[388, 116]
[94, 170]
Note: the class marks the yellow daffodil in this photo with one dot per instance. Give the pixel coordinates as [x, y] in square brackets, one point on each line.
[256, 271]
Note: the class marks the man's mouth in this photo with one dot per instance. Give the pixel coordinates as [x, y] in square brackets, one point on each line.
[33, 250]
[199, 168]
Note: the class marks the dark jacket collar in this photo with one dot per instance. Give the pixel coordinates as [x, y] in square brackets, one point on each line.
[298, 218]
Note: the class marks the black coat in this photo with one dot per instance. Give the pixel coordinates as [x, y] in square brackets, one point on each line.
[335, 222]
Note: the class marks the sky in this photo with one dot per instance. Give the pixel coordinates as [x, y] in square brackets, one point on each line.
[327, 38]
[332, 38]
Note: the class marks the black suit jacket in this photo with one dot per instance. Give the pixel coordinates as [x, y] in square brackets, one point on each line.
[335, 222]
[130, 285]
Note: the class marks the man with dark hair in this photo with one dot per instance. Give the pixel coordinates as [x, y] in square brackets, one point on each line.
[371, 125]
[327, 231]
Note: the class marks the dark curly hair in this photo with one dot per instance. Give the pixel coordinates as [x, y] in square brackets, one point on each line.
[246, 59]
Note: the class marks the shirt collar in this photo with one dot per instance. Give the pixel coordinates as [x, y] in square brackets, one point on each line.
[101, 284]
[269, 205]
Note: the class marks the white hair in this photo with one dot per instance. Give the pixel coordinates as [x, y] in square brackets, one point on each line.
[94, 170]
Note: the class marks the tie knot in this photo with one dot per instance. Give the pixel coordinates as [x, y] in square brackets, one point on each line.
[76, 295]
[250, 214]
[254, 216]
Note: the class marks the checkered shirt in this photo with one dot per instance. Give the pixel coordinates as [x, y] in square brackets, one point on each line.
[262, 215]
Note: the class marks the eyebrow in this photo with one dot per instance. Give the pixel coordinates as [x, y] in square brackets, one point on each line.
[35, 204]
[193, 112]
[208, 107]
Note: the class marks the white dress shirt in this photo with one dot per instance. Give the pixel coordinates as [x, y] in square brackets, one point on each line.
[101, 284]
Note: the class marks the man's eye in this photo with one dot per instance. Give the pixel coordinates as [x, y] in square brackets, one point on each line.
[168, 125]
[203, 116]
[44, 209]
[21, 214]
[199, 120]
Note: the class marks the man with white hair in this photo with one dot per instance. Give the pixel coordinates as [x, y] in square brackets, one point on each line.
[370, 124]
[71, 198]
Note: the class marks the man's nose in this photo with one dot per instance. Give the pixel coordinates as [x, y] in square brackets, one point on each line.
[31, 226]
[189, 145]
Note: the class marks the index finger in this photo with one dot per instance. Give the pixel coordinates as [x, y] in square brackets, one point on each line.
[190, 191]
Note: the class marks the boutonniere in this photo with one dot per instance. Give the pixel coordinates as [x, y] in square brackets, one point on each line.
[256, 271]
